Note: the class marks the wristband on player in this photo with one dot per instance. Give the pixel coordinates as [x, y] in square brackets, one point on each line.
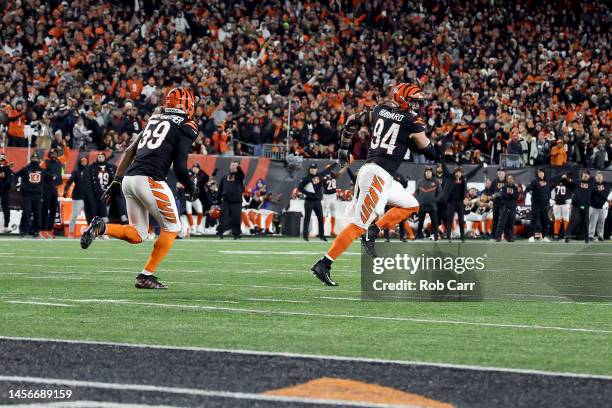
[429, 152]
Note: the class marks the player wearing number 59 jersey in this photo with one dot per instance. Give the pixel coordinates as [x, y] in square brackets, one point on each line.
[396, 128]
[165, 141]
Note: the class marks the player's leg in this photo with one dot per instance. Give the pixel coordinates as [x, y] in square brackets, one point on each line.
[321, 220]
[159, 201]
[138, 216]
[36, 220]
[197, 207]
[566, 216]
[308, 206]
[26, 213]
[332, 215]
[189, 212]
[371, 189]
[77, 206]
[461, 220]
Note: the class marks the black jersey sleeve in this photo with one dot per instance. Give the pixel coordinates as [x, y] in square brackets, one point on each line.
[179, 161]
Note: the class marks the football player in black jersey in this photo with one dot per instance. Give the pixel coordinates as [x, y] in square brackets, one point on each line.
[165, 141]
[396, 127]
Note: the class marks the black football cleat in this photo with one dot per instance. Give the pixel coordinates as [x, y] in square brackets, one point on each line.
[95, 229]
[368, 240]
[148, 282]
[323, 273]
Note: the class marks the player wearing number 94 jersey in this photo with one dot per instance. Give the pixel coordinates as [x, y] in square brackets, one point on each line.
[396, 128]
[165, 141]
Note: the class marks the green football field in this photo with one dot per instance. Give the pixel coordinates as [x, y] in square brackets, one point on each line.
[259, 295]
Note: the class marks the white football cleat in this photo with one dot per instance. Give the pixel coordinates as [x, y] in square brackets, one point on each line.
[545, 239]
[531, 239]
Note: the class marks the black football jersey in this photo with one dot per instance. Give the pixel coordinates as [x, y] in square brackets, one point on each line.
[391, 130]
[166, 138]
[102, 175]
[329, 184]
[562, 193]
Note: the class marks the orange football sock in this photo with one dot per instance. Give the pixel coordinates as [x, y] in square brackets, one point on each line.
[476, 226]
[557, 227]
[252, 218]
[333, 225]
[269, 220]
[162, 245]
[124, 232]
[258, 219]
[489, 226]
[344, 240]
[245, 219]
[394, 216]
[409, 230]
[200, 216]
[565, 226]
[190, 219]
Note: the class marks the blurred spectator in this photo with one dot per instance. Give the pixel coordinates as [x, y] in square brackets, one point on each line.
[536, 66]
[558, 154]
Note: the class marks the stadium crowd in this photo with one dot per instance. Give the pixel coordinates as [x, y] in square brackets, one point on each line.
[525, 78]
[528, 81]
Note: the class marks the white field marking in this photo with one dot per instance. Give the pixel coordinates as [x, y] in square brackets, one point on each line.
[339, 298]
[587, 254]
[350, 316]
[87, 404]
[317, 289]
[561, 295]
[189, 391]
[312, 356]
[6, 253]
[275, 300]
[23, 302]
[247, 252]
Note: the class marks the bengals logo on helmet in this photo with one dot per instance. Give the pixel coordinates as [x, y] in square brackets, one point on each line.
[408, 97]
[180, 100]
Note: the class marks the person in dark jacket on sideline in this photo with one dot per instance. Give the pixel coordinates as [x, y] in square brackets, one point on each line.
[231, 189]
[540, 194]
[76, 178]
[312, 188]
[508, 196]
[427, 193]
[498, 184]
[31, 188]
[455, 189]
[54, 169]
[581, 201]
[6, 181]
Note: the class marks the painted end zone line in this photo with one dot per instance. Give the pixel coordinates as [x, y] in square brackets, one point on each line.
[188, 391]
[314, 357]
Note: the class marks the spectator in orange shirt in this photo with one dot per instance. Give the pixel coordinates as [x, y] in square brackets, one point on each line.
[558, 155]
[16, 125]
[219, 140]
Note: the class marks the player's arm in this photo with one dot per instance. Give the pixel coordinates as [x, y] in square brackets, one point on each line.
[424, 145]
[351, 126]
[127, 159]
[327, 169]
[179, 165]
[473, 172]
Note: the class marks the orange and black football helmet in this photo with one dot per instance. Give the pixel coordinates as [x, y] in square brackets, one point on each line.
[408, 97]
[180, 100]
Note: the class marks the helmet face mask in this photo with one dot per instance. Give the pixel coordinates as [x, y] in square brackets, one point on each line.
[409, 97]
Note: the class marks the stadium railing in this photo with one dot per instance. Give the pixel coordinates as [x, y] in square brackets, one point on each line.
[511, 161]
[275, 151]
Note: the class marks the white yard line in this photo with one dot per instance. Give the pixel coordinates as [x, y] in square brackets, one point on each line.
[311, 356]
[339, 316]
[275, 300]
[187, 391]
[23, 302]
[87, 404]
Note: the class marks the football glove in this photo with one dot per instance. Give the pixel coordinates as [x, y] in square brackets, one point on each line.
[343, 157]
[113, 189]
